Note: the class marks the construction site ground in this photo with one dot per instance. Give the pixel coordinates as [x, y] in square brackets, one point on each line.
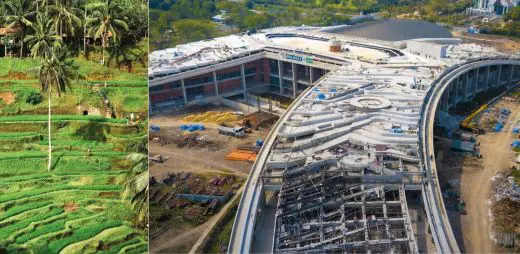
[471, 177]
[206, 159]
[502, 43]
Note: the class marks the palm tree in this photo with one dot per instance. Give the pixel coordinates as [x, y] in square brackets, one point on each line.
[136, 185]
[105, 22]
[64, 16]
[54, 71]
[124, 53]
[44, 37]
[17, 14]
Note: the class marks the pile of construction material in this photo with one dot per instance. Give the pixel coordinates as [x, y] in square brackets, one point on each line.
[493, 118]
[212, 117]
[505, 187]
[195, 195]
[245, 152]
[502, 116]
[188, 140]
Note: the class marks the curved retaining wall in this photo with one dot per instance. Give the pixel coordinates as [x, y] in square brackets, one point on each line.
[439, 223]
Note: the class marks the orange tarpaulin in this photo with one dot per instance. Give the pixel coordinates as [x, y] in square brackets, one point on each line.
[241, 155]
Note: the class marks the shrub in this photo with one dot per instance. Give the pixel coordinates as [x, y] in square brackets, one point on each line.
[34, 97]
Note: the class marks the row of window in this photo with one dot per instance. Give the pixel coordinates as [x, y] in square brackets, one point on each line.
[202, 80]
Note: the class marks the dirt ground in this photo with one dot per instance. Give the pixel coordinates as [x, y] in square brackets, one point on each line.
[7, 97]
[195, 159]
[201, 160]
[474, 179]
[501, 43]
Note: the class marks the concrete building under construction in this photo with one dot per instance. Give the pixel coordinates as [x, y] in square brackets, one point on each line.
[349, 167]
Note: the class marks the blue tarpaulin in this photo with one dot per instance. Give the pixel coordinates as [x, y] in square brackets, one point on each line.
[192, 127]
[155, 127]
[499, 126]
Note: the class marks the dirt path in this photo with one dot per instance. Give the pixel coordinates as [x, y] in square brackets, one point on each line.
[476, 185]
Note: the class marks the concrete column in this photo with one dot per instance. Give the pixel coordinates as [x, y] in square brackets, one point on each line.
[215, 82]
[475, 77]
[280, 72]
[243, 77]
[184, 92]
[150, 105]
[499, 70]
[510, 81]
[311, 74]
[294, 79]
[487, 85]
[447, 104]
[457, 98]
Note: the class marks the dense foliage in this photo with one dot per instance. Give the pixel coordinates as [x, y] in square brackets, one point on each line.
[169, 19]
[64, 21]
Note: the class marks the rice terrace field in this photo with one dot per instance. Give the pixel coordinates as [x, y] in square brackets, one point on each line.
[77, 206]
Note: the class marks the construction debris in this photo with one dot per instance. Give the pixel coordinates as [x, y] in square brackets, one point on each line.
[505, 187]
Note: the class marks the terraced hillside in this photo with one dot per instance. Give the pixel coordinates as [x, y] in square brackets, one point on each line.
[76, 206]
[126, 92]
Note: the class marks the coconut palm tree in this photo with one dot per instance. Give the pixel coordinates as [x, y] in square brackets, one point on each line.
[43, 38]
[104, 23]
[55, 71]
[65, 16]
[136, 185]
[124, 53]
[18, 14]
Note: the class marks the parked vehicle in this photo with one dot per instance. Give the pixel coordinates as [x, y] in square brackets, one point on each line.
[232, 131]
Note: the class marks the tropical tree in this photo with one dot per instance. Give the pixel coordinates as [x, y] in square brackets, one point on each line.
[136, 185]
[104, 23]
[43, 38]
[18, 15]
[55, 71]
[65, 17]
[124, 53]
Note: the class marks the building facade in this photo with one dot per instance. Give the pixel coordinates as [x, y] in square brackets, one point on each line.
[497, 7]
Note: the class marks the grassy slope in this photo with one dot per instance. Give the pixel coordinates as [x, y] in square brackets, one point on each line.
[125, 89]
[75, 207]
[32, 214]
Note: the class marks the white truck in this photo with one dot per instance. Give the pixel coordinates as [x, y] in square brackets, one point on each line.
[232, 131]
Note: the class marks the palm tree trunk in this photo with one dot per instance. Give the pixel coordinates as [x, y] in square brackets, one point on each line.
[21, 44]
[103, 48]
[85, 33]
[49, 129]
